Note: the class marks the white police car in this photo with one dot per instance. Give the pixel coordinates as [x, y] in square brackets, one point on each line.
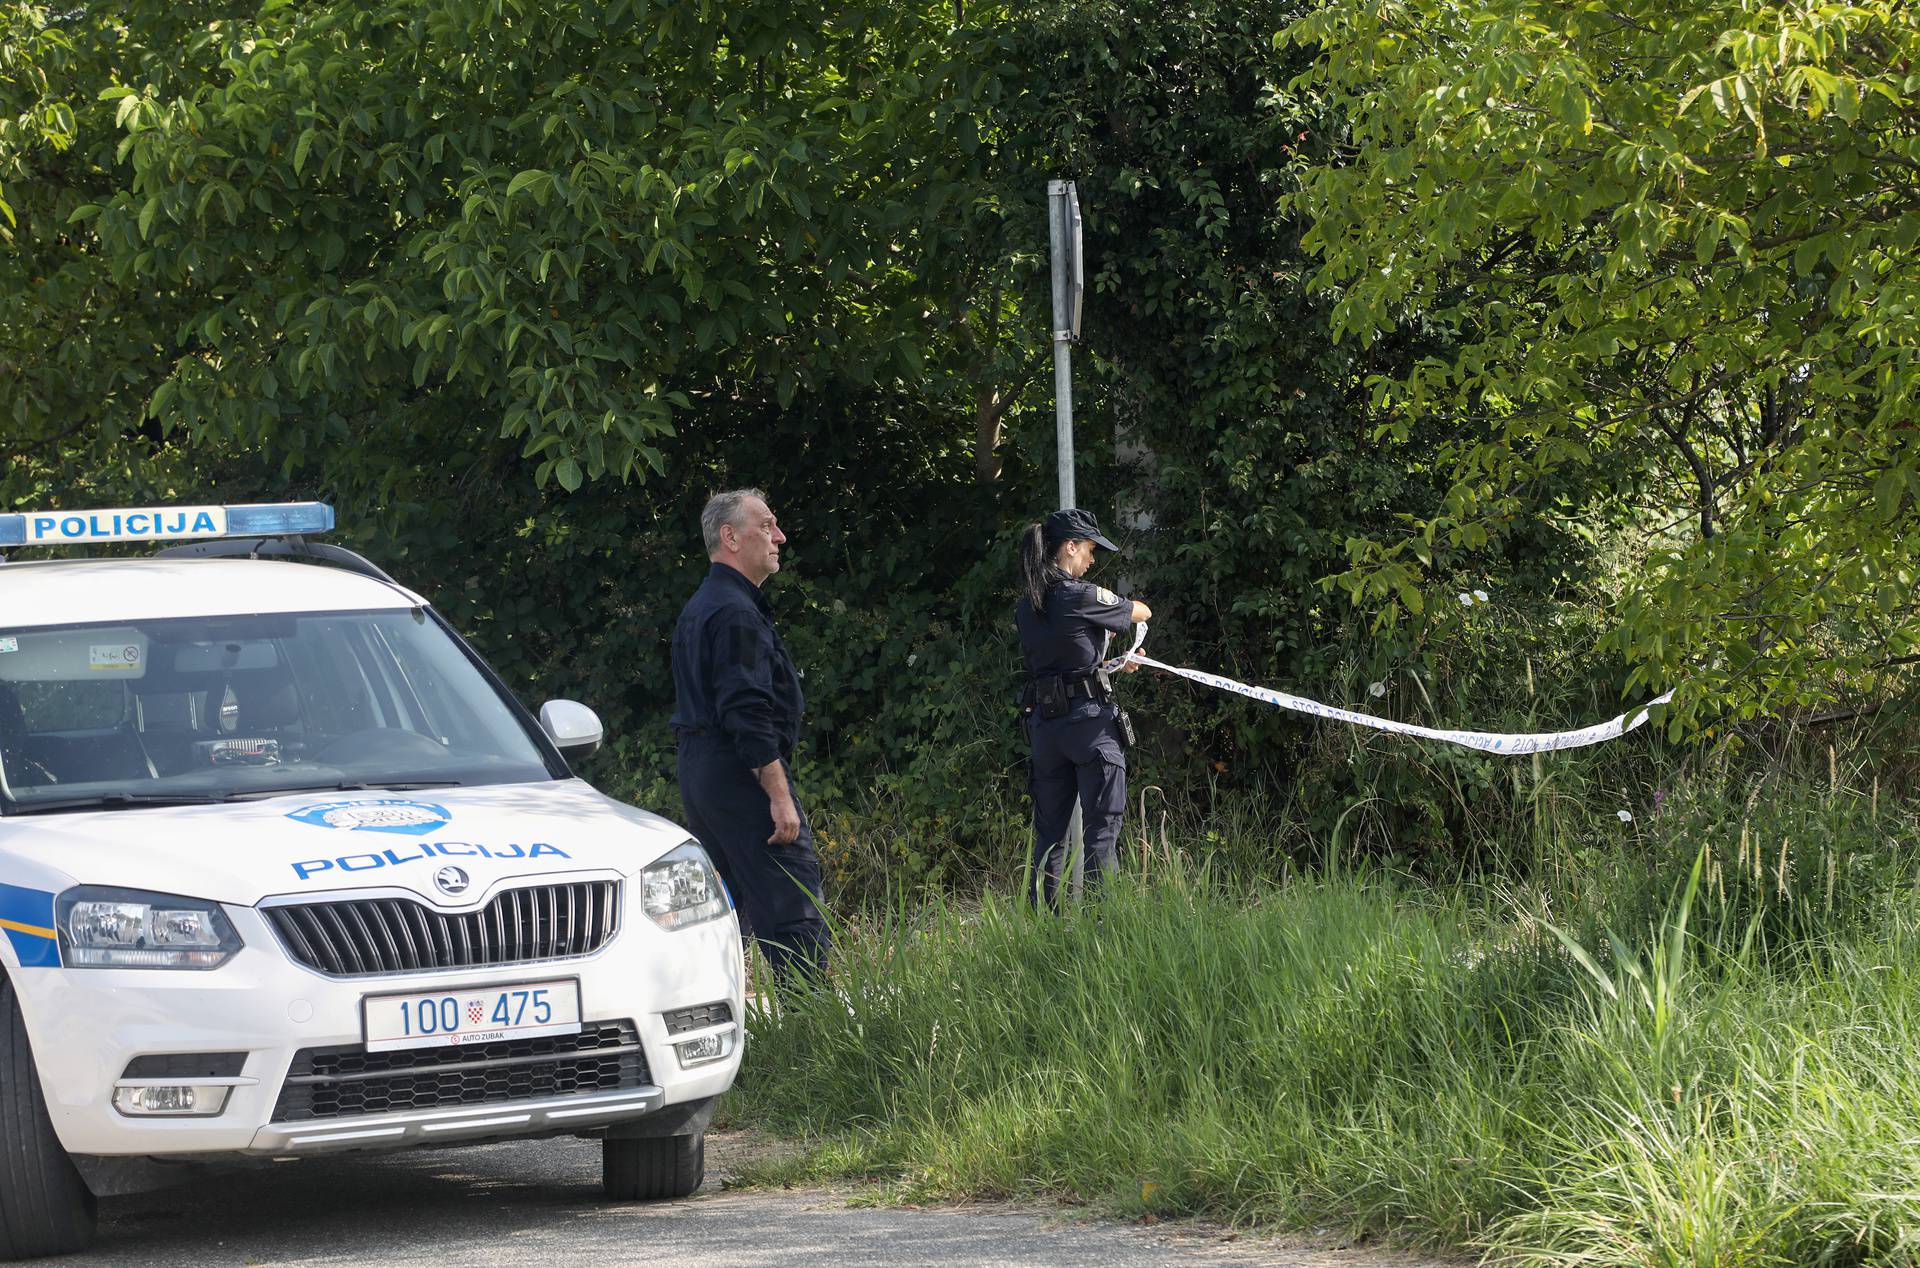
[285, 869]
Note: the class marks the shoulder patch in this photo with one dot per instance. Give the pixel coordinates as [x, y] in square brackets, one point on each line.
[1105, 595]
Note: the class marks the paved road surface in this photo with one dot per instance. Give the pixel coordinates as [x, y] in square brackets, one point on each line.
[539, 1203]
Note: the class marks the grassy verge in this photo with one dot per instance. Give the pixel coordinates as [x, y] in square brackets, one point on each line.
[1725, 1072]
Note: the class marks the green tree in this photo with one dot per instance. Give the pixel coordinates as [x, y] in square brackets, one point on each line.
[80, 353]
[343, 249]
[1670, 249]
[560, 225]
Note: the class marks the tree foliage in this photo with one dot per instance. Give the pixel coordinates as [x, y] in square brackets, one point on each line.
[79, 355]
[1242, 433]
[557, 224]
[1674, 250]
[516, 286]
[1204, 359]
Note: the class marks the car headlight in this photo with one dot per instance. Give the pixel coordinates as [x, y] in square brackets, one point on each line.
[105, 928]
[681, 888]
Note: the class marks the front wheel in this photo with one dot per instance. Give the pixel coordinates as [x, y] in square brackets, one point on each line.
[45, 1207]
[653, 1168]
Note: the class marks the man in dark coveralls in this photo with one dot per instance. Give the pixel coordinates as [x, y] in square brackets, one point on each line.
[737, 715]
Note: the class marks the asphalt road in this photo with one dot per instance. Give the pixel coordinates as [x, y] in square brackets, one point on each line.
[539, 1202]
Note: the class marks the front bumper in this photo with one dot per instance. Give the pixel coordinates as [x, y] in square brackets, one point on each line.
[87, 1025]
[475, 1122]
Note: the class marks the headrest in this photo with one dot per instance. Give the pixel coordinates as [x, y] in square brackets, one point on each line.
[267, 703]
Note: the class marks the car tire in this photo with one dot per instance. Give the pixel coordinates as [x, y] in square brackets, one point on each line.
[653, 1168]
[45, 1207]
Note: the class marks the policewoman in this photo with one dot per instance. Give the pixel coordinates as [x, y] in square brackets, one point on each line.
[1079, 735]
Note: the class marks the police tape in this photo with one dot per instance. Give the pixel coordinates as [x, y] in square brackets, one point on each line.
[1486, 741]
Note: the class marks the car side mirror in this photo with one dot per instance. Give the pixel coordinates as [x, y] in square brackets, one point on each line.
[574, 729]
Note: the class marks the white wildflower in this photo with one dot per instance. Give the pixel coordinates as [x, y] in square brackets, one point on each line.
[1376, 690]
[1626, 816]
[1466, 600]
[912, 658]
[1481, 596]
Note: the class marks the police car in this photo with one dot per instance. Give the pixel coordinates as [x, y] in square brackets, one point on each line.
[285, 870]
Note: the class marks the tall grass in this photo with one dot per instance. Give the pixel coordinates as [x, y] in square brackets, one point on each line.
[1681, 1068]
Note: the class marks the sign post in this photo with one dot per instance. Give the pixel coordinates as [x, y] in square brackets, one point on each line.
[1069, 291]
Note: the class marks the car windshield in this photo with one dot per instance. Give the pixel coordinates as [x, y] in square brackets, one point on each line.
[208, 709]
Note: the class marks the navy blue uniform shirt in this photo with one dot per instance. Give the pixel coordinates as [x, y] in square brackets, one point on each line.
[1070, 636]
[731, 673]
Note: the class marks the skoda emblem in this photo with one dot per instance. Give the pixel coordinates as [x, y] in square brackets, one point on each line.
[451, 880]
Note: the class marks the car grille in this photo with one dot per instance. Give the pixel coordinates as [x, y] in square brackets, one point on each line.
[365, 936]
[349, 1081]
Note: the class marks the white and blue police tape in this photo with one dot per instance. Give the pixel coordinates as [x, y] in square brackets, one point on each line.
[1485, 741]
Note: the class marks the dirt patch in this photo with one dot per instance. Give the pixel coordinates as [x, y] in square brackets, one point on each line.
[758, 1154]
[733, 1150]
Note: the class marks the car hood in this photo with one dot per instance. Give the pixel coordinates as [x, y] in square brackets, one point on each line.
[242, 852]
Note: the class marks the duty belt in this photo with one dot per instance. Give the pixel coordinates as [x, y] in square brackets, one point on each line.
[1085, 684]
[1080, 682]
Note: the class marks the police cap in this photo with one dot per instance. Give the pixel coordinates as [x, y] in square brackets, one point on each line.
[1073, 524]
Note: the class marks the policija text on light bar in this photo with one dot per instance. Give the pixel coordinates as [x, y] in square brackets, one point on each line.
[145, 524]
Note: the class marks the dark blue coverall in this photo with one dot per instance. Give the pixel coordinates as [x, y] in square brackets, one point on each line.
[1080, 754]
[737, 709]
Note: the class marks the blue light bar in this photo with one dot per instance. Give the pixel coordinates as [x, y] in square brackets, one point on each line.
[277, 519]
[163, 523]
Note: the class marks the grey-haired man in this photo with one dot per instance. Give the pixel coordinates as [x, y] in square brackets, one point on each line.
[737, 717]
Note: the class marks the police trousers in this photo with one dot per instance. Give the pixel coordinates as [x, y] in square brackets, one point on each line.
[1076, 757]
[775, 888]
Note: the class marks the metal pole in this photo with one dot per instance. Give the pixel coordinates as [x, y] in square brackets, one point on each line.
[1059, 231]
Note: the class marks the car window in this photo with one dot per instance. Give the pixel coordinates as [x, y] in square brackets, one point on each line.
[235, 706]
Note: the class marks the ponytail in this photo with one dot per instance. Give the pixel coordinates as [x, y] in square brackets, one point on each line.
[1038, 572]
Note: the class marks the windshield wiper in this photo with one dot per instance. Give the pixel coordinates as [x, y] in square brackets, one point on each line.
[126, 800]
[119, 801]
[346, 785]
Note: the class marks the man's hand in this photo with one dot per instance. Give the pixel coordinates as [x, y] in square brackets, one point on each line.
[786, 815]
[786, 821]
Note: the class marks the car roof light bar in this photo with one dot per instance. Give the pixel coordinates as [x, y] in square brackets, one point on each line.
[163, 523]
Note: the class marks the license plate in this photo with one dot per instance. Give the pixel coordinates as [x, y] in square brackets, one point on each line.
[476, 1015]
